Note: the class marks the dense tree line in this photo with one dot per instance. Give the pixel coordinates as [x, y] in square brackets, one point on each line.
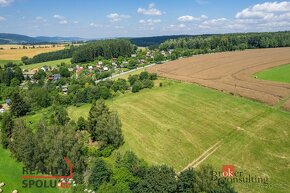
[104, 48]
[151, 41]
[229, 42]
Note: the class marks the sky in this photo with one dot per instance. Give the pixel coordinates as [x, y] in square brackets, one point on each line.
[139, 18]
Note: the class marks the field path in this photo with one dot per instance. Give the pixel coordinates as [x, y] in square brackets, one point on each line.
[203, 156]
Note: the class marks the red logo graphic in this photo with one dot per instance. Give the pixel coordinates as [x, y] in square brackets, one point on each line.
[228, 171]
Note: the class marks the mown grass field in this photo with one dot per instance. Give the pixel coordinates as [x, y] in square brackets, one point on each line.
[11, 172]
[176, 123]
[279, 74]
[3, 62]
[49, 63]
[18, 52]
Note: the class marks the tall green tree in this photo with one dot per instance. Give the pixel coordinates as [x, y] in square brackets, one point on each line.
[19, 107]
[100, 174]
[6, 129]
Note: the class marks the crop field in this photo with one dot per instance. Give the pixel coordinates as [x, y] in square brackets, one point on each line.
[53, 63]
[279, 74]
[232, 72]
[183, 125]
[15, 54]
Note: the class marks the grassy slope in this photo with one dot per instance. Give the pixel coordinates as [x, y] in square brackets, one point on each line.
[50, 63]
[11, 172]
[280, 74]
[177, 123]
[3, 62]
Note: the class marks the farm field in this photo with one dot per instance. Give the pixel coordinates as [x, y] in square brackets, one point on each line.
[232, 72]
[177, 123]
[17, 53]
[49, 63]
[279, 74]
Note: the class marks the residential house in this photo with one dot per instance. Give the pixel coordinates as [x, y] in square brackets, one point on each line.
[29, 74]
[105, 68]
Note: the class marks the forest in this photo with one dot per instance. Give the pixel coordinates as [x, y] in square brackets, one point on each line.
[230, 42]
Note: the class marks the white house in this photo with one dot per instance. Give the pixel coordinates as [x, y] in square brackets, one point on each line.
[105, 68]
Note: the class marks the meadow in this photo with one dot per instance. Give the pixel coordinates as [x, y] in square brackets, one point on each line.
[15, 54]
[177, 123]
[11, 172]
[52, 64]
[278, 74]
[3, 62]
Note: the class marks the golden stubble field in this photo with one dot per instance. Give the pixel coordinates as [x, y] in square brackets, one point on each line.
[15, 52]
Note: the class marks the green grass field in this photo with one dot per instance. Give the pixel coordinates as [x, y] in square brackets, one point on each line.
[11, 172]
[175, 124]
[3, 62]
[279, 74]
[50, 63]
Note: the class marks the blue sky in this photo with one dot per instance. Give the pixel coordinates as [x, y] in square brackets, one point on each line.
[133, 18]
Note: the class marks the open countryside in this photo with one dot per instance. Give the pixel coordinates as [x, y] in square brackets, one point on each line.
[150, 97]
[15, 52]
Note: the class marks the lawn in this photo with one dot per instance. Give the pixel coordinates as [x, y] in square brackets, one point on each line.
[49, 63]
[176, 123]
[279, 74]
[3, 62]
[11, 172]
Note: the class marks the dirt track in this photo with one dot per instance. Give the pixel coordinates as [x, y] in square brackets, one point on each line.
[232, 72]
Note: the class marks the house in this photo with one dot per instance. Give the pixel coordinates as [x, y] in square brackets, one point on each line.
[44, 68]
[90, 68]
[133, 55]
[105, 68]
[70, 69]
[114, 64]
[2, 110]
[100, 63]
[8, 102]
[29, 74]
[56, 76]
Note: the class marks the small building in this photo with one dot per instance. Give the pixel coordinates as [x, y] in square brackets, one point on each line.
[8, 102]
[100, 63]
[133, 55]
[56, 76]
[64, 89]
[90, 68]
[29, 74]
[105, 68]
[44, 68]
[70, 69]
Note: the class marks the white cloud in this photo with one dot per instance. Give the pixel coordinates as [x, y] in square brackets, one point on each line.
[75, 22]
[187, 18]
[114, 17]
[4, 3]
[2, 18]
[149, 21]
[63, 22]
[94, 25]
[40, 19]
[150, 11]
[264, 11]
[60, 17]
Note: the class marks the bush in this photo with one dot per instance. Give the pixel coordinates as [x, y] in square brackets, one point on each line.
[137, 86]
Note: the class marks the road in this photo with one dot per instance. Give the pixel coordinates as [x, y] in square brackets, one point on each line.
[123, 73]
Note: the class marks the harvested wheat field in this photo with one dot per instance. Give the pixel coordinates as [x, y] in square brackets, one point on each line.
[232, 72]
[15, 52]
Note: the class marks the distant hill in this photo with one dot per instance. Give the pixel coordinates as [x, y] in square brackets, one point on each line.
[7, 38]
[150, 41]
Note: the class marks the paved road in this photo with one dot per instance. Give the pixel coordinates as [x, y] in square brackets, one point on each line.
[123, 73]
